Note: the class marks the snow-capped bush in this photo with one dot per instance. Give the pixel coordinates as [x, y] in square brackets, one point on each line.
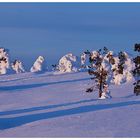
[68, 63]
[17, 66]
[37, 66]
[4, 61]
[122, 72]
[120, 69]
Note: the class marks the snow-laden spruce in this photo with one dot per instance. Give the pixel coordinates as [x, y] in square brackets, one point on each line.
[17, 66]
[85, 59]
[117, 72]
[108, 68]
[4, 61]
[122, 72]
[68, 63]
[37, 66]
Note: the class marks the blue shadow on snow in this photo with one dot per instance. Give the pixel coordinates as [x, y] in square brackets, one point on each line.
[6, 123]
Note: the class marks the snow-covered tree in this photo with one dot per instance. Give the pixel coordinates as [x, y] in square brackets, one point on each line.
[122, 68]
[4, 61]
[128, 67]
[122, 59]
[118, 68]
[17, 66]
[85, 59]
[98, 71]
[68, 63]
[37, 66]
[94, 59]
[136, 71]
[100, 76]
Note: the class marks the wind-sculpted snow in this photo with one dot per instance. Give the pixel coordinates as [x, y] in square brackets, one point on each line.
[56, 105]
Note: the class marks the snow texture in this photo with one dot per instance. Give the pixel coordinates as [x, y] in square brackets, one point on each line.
[56, 105]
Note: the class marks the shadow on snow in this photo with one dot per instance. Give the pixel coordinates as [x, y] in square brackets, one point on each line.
[22, 87]
[6, 123]
[43, 107]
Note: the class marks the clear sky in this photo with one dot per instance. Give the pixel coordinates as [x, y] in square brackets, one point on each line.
[54, 29]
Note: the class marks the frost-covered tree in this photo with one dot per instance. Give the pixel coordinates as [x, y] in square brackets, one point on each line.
[4, 61]
[68, 63]
[37, 66]
[122, 59]
[122, 68]
[98, 71]
[94, 59]
[136, 71]
[17, 66]
[84, 58]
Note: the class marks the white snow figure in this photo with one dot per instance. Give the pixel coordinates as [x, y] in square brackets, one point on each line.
[68, 63]
[4, 61]
[83, 59]
[17, 66]
[37, 66]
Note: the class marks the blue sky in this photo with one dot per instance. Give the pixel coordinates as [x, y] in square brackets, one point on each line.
[54, 29]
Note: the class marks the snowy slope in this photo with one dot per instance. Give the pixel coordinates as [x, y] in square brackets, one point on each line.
[56, 105]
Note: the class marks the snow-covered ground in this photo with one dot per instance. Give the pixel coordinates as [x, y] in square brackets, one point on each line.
[56, 105]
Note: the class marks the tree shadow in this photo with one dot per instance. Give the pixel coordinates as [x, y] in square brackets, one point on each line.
[25, 78]
[21, 87]
[26, 110]
[6, 123]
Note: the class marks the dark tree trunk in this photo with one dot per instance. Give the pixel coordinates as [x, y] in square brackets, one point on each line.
[100, 88]
[100, 93]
